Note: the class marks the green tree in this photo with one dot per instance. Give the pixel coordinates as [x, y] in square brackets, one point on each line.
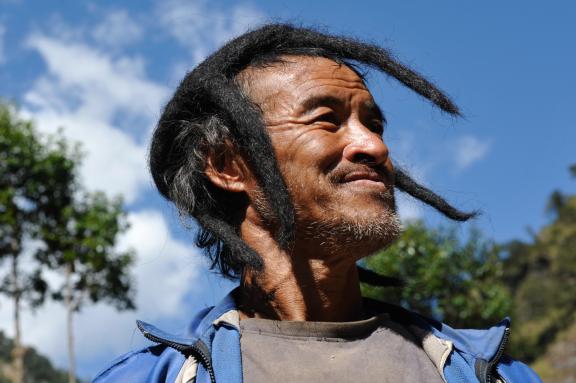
[36, 181]
[81, 245]
[459, 283]
[74, 232]
[541, 275]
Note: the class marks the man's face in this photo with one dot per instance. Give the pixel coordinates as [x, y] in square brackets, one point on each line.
[326, 131]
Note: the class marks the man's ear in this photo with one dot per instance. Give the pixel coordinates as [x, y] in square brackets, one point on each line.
[226, 169]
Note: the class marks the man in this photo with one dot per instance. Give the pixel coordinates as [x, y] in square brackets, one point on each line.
[274, 145]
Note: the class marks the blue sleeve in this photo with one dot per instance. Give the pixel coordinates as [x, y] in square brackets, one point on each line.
[151, 365]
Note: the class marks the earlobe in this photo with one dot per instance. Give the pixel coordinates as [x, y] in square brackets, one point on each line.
[226, 171]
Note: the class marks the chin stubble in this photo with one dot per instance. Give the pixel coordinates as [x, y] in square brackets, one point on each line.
[369, 233]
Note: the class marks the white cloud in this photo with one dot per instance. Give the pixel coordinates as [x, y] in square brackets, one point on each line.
[84, 92]
[2, 33]
[117, 30]
[105, 85]
[164, 264]
[468, 150]
[164, 271]
[201, 27]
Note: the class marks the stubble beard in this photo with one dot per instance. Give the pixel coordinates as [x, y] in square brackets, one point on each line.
[358, 236]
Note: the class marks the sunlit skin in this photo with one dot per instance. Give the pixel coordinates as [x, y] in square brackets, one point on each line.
[326, 131]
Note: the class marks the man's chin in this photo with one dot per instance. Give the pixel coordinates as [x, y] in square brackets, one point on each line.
[361, 235]
[369, 237]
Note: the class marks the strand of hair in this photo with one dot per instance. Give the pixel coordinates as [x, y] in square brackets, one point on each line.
[225, 233]
[405, 183]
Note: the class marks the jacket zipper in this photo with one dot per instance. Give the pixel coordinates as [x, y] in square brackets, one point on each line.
[185, 349]
[498, 356]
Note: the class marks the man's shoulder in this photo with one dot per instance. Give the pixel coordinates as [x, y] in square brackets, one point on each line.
[149, 364]
[475, 353]
[146, 364]
[156, 363]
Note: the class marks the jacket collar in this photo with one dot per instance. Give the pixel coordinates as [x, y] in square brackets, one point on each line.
[482, 344]
[199, 328]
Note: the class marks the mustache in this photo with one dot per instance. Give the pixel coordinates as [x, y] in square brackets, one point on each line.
[347, 172]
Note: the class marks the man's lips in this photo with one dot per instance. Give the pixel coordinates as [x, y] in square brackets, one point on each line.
[364, 175]
[367, 180]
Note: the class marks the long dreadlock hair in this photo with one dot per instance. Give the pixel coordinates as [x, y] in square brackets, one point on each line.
[210, 107]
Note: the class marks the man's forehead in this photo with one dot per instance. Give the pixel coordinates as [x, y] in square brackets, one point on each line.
[303, 75]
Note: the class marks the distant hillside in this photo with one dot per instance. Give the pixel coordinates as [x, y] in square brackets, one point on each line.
[38, 368]
[558, 364]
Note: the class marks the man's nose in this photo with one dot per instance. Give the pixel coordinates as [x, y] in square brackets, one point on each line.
[365, 146]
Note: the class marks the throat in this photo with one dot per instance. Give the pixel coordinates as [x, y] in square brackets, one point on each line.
[312, 291]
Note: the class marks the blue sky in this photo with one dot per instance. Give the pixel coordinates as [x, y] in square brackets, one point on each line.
[103, 69]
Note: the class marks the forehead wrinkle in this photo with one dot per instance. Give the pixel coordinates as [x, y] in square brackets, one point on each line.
[343, 85]
[351, 81]
[309, 72]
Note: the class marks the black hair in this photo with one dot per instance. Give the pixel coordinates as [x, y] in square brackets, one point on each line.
[209, 109]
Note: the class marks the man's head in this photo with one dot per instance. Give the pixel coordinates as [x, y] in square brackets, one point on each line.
[306, 133]
[326, 131]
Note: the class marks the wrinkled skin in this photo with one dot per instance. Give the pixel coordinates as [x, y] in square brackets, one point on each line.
[326, 131]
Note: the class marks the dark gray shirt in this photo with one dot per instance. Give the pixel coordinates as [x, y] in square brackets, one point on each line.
[372, 350]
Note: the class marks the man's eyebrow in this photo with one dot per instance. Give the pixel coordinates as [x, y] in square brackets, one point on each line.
[314, 102]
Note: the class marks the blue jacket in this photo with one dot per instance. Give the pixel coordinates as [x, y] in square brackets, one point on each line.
[209, 351]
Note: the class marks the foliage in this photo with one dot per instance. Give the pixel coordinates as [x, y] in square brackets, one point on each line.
[84, 239]
[541, 275]
[36, 182]
[454, 282]
[41, 199]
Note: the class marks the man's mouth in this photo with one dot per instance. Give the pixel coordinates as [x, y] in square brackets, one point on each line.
[367, 180]
[372, 176]
[363, 177]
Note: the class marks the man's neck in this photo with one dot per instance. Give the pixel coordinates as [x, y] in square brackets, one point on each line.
[297, 285]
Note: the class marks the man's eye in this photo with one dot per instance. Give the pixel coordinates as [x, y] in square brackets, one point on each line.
[329, 118]
[377, 127]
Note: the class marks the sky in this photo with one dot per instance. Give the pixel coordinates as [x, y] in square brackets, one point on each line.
[102, 70]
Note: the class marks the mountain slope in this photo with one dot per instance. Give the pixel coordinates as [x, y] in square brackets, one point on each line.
[38, 368]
